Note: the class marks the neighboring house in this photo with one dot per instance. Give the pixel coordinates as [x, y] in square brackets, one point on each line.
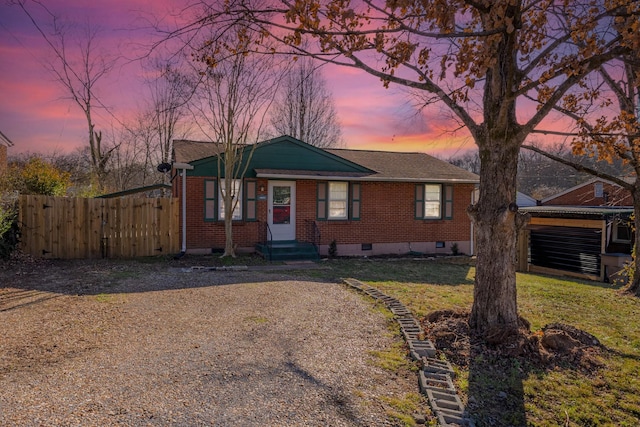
[523, 200]
[596, 192]
[367, 202]
[583, 231]
[147, 191]
[4, 144]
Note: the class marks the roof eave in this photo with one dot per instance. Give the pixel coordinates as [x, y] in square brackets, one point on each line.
[180, 165]
[5, 140]
[363, 178]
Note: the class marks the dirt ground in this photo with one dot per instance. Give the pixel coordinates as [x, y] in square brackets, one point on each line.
[496, 372]
[100, 343]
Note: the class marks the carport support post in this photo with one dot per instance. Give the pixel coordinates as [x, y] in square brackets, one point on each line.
[184, 167]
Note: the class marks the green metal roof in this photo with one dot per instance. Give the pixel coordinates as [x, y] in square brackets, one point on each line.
[283, 153]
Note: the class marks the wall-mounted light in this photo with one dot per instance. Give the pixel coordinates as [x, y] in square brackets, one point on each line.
[262, 188]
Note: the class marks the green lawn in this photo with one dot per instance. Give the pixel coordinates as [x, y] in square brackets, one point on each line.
[605, 396]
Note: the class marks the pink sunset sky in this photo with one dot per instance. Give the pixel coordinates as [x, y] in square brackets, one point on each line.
[37, 115]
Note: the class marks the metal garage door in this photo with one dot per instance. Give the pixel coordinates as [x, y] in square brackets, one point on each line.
[566, 248]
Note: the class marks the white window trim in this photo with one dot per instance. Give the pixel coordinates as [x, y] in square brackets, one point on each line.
[331, 200]
[432, 202]
[237, 212]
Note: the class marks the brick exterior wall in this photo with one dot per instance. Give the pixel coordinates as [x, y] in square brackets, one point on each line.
[3, 158]
[386, 222]
[585, 196]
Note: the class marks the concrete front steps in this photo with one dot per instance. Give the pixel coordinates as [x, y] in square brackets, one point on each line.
[288, 250]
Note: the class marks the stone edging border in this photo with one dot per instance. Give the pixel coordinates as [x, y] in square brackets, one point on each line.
[435, 377]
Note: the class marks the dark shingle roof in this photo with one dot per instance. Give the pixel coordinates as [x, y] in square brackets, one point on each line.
[410, 166]
[388, 166]
[185, 151]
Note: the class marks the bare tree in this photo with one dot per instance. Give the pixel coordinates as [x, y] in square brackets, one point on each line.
[469, 160]
[611, 138]
[304, 107]
[129, 163]
[540, 177]
[499, 66]
[169, 92]
[78, 73]
[230, 105]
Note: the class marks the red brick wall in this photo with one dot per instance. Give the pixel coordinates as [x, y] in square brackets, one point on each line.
[387, 216]
[584, 196]
[203, 234]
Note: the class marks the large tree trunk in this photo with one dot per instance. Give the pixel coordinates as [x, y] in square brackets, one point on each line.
[230, 199]
[229, 249]
[494, 313]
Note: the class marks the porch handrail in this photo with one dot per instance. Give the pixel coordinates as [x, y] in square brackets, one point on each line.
[315, 237]
[269, 242]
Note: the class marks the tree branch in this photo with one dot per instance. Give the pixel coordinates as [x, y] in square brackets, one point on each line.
[581, 168]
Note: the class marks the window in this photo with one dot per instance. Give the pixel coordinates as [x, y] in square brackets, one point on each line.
[621, 233]
[338, 200]
[281, 204]
[598, 189]
[236, 192]
[214, 203]
[433, 201]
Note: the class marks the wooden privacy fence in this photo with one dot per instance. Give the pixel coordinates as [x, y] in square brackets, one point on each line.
[61, 227]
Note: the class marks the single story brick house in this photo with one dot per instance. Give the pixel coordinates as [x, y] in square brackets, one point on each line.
[364, 202]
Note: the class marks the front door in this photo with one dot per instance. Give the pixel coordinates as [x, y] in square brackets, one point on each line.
[281, 214]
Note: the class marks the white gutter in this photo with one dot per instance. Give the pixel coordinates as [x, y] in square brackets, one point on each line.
[184, 167]
[177, 165]
[364, 178]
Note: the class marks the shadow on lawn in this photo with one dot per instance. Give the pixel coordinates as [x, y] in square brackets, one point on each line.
[108, 276]
[618, 285]
[496, 371]
[496, 393]
[405, 270]
[45, 278]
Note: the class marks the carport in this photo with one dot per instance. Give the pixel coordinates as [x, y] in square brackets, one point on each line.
[585, 242]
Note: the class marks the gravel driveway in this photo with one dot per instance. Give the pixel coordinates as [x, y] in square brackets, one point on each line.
[108, 343]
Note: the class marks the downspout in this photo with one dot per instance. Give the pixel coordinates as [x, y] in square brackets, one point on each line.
[184, 167]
